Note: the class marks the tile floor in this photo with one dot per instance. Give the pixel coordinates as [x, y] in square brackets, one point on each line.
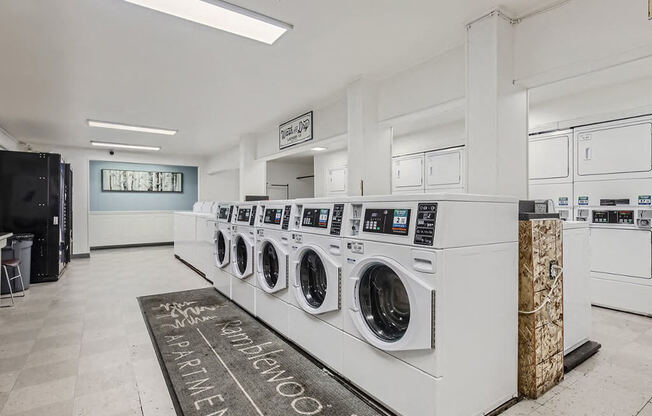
[80, 347]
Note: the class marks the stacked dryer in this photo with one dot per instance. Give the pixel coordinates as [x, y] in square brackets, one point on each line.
[551, 170]
[243, 259]
[272, 257]
[613, 188]
[430, 294]
[222, 248]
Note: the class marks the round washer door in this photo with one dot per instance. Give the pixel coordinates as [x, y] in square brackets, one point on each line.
[221, 248]
[313, 278]
[241, 255]
[384, 302]
[270, 265]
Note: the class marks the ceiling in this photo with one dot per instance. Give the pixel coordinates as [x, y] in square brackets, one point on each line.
[67, 61]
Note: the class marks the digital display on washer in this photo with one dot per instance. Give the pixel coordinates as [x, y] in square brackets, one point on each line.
[273, 216]
[243, 214]
[224, 213]
[387, 221]
[315, 217]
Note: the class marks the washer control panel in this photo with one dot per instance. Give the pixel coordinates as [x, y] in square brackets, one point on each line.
[336, 221]
[286, 217]
[252, 220]
[613, 217]
[424, 234]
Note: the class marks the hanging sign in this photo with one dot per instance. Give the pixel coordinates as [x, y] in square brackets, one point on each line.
[295, 131]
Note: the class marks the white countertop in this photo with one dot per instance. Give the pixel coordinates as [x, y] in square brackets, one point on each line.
[3, 238]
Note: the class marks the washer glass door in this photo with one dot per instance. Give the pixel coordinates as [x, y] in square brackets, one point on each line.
[313, 278]
[270, 264]
[384, 302]
[221, 247]
[241, 255]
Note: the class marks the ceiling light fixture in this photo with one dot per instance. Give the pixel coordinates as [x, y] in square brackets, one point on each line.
[128, 127]
[319, 149]
[125, 146]
[223, 16]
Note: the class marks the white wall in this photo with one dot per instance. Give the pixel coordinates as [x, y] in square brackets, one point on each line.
[324, 162]
[221, 186]
[615, 101]
[329, 121]
[438, 137]
[281, 173]
[581, 36]
[79, 160]
[439, 80]
[7, 142]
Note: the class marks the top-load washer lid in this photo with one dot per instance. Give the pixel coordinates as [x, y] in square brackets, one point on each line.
[384, 302]
[270, 265]
[313, 279]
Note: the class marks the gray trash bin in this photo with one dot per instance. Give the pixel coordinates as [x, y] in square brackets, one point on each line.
[19, 247]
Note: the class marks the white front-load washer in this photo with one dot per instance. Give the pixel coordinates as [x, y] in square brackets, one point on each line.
[432, 302]
[243, 259]
[316, 263]
[222, 249]
[272, 264]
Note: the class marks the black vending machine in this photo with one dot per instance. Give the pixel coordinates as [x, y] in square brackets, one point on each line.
[36, 197]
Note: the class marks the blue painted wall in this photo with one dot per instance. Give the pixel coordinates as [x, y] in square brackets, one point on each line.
[142, 201]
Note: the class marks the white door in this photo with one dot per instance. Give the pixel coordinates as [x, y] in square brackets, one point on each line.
[407, 174]
[615, 150]
[337, 179]
[625, 252]
[444, 169]
[549, 157]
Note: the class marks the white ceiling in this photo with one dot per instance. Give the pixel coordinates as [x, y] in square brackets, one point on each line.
[66, 61]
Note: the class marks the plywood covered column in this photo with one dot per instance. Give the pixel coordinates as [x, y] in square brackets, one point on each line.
[496, 111]
[370, 146]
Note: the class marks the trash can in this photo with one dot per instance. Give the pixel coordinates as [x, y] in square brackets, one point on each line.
[19, 246]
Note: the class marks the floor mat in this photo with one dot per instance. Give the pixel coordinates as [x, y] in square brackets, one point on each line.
[219, 361]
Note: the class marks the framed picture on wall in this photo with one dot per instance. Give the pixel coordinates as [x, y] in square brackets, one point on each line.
[114, 180]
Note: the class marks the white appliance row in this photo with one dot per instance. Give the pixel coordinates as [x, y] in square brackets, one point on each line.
[194, 236]
[397, 294]
[602, 174]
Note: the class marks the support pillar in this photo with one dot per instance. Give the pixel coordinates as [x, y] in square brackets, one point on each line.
[369, 146]
[497, 111]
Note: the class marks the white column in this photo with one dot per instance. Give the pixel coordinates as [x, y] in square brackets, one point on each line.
[370, 147]
[496, 111]
[253, 172]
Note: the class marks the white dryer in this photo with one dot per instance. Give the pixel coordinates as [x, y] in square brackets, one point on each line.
[316, 263]
[243, 259]
[273, 237]
[222, 249]
[432, 302]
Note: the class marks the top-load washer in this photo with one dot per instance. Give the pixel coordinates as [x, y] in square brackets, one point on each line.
[222, 248]
[432, 299]
[243, 259]
[273, 235]
[316, 263]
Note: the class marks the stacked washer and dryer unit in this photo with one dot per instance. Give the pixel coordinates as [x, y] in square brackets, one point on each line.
[607, 168]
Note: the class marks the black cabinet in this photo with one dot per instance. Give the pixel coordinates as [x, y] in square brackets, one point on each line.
[36, 197]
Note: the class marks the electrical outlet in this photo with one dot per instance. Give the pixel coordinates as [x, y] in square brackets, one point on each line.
[553, 270]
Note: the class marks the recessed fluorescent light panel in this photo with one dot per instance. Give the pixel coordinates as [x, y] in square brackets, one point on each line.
[128, 127]
[125, 146]
[223, 16]
[319, 149]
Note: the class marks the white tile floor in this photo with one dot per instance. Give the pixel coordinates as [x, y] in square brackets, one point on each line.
[80, 347]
